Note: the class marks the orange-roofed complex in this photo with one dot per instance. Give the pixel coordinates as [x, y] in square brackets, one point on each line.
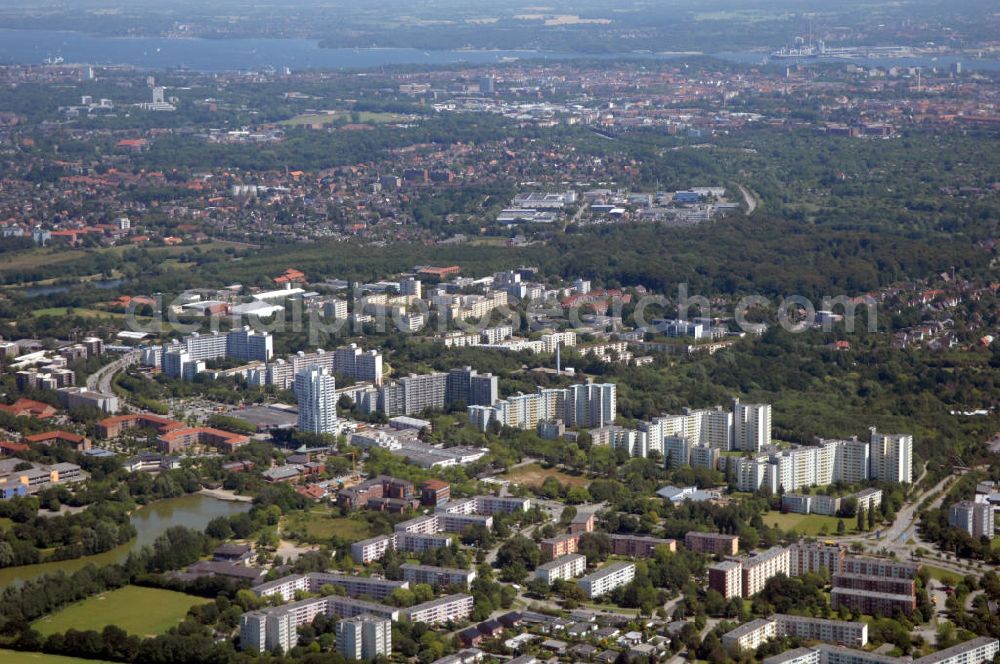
[179, 439]
[30, 408]
[8, 448]
[439, 272]
[291, 275]
[74, 440]
[111, 427]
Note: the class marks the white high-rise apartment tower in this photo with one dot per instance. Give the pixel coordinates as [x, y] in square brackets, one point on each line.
[891, 457]
[752, 426]
[315, 391]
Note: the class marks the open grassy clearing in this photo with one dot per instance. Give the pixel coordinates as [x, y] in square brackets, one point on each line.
[534, 475]
[17, 657]
[808, 524]
[323, 523]
[160, 610]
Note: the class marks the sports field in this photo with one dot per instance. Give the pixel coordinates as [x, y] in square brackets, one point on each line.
[160, 610]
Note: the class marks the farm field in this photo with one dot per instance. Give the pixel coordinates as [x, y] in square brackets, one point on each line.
[161, 610]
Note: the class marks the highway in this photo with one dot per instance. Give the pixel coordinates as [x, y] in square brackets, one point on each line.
[100, 380]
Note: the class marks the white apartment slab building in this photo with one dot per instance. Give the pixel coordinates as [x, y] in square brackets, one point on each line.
[607, 579]
[563, 568]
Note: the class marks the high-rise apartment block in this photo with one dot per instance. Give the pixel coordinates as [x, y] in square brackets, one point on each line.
[974, 518]
[751, 426]
[363, 638]
[316, 393]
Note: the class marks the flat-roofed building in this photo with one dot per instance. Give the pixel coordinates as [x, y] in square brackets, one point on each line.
[363, 638]
[560, 545]
[418, 542]
[437, 576]
[726, 578]
[843, 632]
[713, 543]
[874, 603]
[751, 635]
[607, 579]
[757, 570]
[562, 568]
[639, 546]
[879, 567]
[879, 584]
[373, 548]
[453, 608]
[807, 557]
[796, 656]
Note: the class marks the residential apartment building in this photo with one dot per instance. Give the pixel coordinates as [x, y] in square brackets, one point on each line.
[638, 546]
[588, 405]
[453, 608]
[842, 632]
[726, 578]
[607, 579]
[751, 426]
[418, 543]
[437, 576]
[807, 558]
[871, 602]
[751, 635]
[758, 569]
[974, 518]
[277, 628]
[313, 582]
[316, 393]
[490, 505]
[891, 457]
[562, 568]
[560, 545]
[975, 651]
[712, 543]
[363, 638]
[371, 549]
[466, 386]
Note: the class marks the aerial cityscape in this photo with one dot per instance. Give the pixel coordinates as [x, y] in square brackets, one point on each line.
[496, 333]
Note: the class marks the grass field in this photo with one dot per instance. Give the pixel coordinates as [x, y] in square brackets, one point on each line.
[139, 611]
[49, 256]
[808, 524]
[320, 524]
[5, 524]
[15, 657]
[946, 577]
[83, 313]
[534, 475]
[330, 117]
